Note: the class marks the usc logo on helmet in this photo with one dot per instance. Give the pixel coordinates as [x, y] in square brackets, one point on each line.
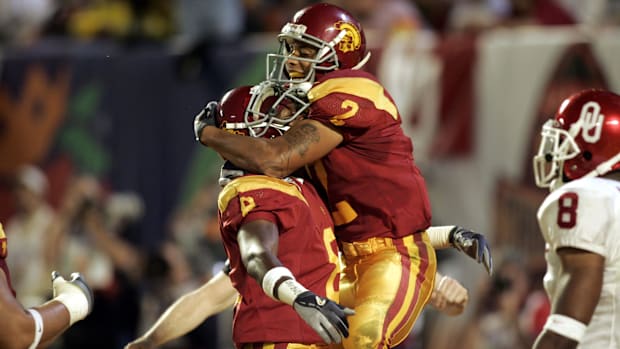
[352, 39]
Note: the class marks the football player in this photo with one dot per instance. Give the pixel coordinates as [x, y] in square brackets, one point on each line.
[218, 294]
[579, 160]
[282, 252]
[353, 145]
[38, 326]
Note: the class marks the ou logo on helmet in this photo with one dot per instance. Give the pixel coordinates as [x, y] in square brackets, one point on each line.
[352, 39]
[591, 121]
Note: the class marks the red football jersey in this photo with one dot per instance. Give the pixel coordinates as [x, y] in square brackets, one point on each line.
[372, 184]
[306, 246]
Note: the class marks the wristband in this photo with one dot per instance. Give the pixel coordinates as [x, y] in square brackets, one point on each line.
[440, 236]
[288, 291]
[441, 281]
[38, 328]
[76, 303]
[274, 276]
[566, 326]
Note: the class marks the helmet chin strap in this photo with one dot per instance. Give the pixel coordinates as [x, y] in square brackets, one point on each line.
[600, 170]
[362, 62]
[558, 181]
[604, 167]
[555, 184]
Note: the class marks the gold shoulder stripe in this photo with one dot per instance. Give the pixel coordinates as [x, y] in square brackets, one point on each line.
[360, 87]
[248, 183]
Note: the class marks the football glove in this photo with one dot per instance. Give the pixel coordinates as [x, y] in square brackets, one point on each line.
[205, 118]
[474, 245]
[326, 317]
[75, 294]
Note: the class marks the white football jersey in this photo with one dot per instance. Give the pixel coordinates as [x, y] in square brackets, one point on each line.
[585, 214]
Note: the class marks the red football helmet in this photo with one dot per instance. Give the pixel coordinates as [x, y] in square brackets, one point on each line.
[582, 140]
[263, 110]
[337, 36]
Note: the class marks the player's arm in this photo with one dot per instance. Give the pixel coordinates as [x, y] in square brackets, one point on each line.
[305, 142]
[38, 326]
[449, 296]
[258, 245]
[188, 312]
[572, 311]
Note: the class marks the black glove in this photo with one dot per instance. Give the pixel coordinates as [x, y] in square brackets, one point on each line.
[326, 317]
[474, 245]
[206, 117]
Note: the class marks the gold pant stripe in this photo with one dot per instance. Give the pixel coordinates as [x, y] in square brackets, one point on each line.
[387, 282]
[422, 277]
[285, 346]
[409, 298]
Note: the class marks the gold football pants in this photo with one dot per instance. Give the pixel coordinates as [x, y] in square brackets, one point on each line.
[387, 282]
[285, 346]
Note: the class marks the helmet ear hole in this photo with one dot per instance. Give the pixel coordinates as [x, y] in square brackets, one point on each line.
[587, 155]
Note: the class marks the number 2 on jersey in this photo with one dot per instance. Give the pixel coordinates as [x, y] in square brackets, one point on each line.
[567, 210]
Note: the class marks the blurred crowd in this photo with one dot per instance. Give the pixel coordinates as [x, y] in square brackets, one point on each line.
[187, 23]
[95, 231]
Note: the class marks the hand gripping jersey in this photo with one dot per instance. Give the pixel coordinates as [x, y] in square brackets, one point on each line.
[306, 246]
[3, 254]
[585, 214]
[373, 186]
